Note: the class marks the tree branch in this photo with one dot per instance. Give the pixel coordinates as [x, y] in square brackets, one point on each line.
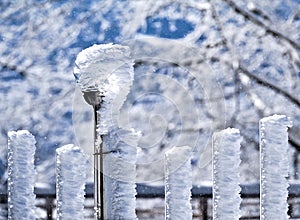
[294, 143]
[14, 68]
[264, 83]
[254, 20]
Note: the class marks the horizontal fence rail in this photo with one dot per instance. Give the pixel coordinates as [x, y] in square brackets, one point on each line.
[201, 193]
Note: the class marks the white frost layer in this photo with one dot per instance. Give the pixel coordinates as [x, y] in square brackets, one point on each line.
[71, 166]
[21, 175]
[226, 175]
[178, 183]
[94, 65]
[120, 174]
[106, 68]
[274, 166]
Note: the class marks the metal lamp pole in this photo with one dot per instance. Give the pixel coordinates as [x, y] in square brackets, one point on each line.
[94, 98]
[93, 66]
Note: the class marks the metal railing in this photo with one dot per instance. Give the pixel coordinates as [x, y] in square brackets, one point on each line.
[201, 199]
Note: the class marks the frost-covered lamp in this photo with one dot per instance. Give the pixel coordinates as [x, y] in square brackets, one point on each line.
[105, 74]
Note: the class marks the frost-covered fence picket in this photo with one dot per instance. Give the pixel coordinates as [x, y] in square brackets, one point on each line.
[21, 175]
[178, 183]
[226, 161]
[120, 175]
[71, 166]
[274, 167]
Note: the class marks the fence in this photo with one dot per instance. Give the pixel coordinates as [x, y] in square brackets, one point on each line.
[201, 196]
[178, 189]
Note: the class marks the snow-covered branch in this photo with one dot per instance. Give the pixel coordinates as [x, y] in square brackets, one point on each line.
[268, 29]
[269, 85]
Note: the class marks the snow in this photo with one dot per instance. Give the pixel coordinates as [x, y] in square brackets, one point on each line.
[94, 65]
[178, 183]
[21, 175]
[226, 175]
[106, 69]
[274, 166]
[120, 173]
[71, 166]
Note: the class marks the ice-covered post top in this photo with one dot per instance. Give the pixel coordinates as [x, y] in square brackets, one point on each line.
[178, 183]
[105, 75]
[274, 166]
[226, 161]
[71, 166]
[21, 175]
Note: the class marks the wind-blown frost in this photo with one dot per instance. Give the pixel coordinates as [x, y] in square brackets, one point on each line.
[107, 69]
[274, 166]
[95, 65]
[120, 174]
[70, 182]
[226, 175]
[178, 183]
[21, 175]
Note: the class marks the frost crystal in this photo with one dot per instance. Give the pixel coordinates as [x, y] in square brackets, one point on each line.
[226, 161]
[70, 182]
[178, 183]
[274, 166]
[21, 175]
[120, 174]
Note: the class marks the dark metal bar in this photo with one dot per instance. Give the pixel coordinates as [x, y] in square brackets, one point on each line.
[203, 208]
[49, 207]
[147, 191]
[98, 170]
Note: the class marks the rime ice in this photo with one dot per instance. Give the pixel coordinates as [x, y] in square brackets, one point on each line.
[21, 175]
[108, 70]
[120, 174]
[178, 183]
[226, 161]
[274, 166]
[70, 182]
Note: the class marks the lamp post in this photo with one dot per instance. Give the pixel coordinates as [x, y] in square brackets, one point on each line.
[105, 75]
[94, 98]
